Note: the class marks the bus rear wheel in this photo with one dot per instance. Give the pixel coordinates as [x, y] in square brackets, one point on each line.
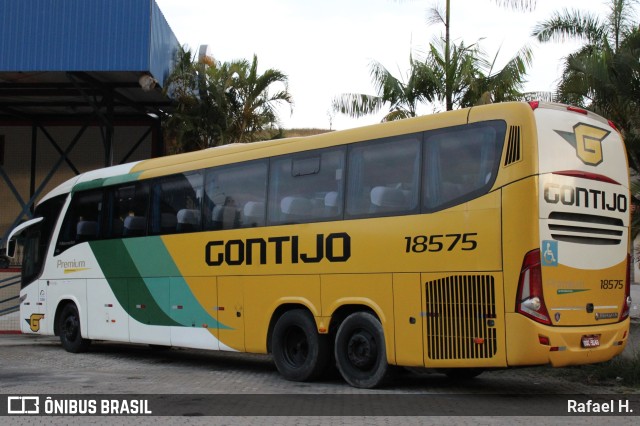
[69, 329]
[299, 351]
[360, 351]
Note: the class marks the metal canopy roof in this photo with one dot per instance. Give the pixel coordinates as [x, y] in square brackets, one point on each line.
[65, 59]
[74, 95]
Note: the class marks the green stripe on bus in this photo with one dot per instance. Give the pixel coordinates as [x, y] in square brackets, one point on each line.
[135, 297]
[100, 182]
[152, 259]
[92, 184]
[153, 281]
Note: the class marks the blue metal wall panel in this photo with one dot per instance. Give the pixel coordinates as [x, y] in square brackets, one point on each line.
[85, 35]
[164, 45]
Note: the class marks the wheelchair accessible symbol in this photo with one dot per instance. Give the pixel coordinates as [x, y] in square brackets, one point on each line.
[549, 253]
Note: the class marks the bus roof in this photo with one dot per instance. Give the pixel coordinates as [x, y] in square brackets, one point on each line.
[228, 154]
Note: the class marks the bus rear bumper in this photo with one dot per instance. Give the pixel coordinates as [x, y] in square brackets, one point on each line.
[529, 343]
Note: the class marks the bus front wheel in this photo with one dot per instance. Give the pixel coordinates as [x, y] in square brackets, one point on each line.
[360, 350]
[69, 329]
[299, 351]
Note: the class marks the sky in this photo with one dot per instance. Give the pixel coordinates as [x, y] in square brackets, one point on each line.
[325, 47]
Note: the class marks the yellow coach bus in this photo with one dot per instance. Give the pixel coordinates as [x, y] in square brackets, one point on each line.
[488, 237]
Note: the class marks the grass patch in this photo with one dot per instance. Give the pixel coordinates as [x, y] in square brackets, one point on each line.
[619, 371]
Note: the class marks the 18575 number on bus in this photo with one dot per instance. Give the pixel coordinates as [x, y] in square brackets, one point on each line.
[440, 242]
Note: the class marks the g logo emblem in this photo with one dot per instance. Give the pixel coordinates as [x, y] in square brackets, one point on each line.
[34, 322]
[587, 141]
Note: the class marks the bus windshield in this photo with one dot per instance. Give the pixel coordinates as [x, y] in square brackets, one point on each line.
[36, 238]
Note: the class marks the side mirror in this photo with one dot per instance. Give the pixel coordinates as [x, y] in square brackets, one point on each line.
[11, 248]
[11, 241]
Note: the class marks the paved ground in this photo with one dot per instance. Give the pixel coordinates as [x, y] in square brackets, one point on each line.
[38, 365]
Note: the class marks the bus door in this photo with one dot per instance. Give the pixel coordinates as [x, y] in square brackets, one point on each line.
[107, 317]
[231, 312]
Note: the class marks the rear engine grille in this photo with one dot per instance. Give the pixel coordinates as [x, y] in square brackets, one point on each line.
[586, 228]
[460, 312]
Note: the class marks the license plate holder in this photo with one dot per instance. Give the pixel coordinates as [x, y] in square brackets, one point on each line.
[590, 341]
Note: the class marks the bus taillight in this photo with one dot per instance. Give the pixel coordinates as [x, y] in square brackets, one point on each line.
[626, 304]
[530, 300]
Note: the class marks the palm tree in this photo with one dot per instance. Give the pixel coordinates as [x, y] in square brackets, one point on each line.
[468, 78]
[604, 74]
[199, 117]
[404, 96]
[457, 75]
[436, 15]
[219, 103]
[252, 103]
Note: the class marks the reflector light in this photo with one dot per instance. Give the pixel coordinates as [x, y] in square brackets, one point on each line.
[544, 340]
[534, 105]
[478, 340]
[578, 110]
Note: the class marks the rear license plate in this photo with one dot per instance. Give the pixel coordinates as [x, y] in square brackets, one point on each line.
[591, 341]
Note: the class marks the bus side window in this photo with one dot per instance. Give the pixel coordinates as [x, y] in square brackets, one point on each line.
[128, 211]
[176, 204]
[82, 220]
[235, 196]
[307, 187]
[384, 177]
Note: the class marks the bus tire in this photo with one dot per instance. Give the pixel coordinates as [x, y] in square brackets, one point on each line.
[360, 351]
[69, 328]
[299, 351]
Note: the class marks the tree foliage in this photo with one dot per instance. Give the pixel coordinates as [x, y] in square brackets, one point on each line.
[604, 74]
[454, 75]
[220, 103]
